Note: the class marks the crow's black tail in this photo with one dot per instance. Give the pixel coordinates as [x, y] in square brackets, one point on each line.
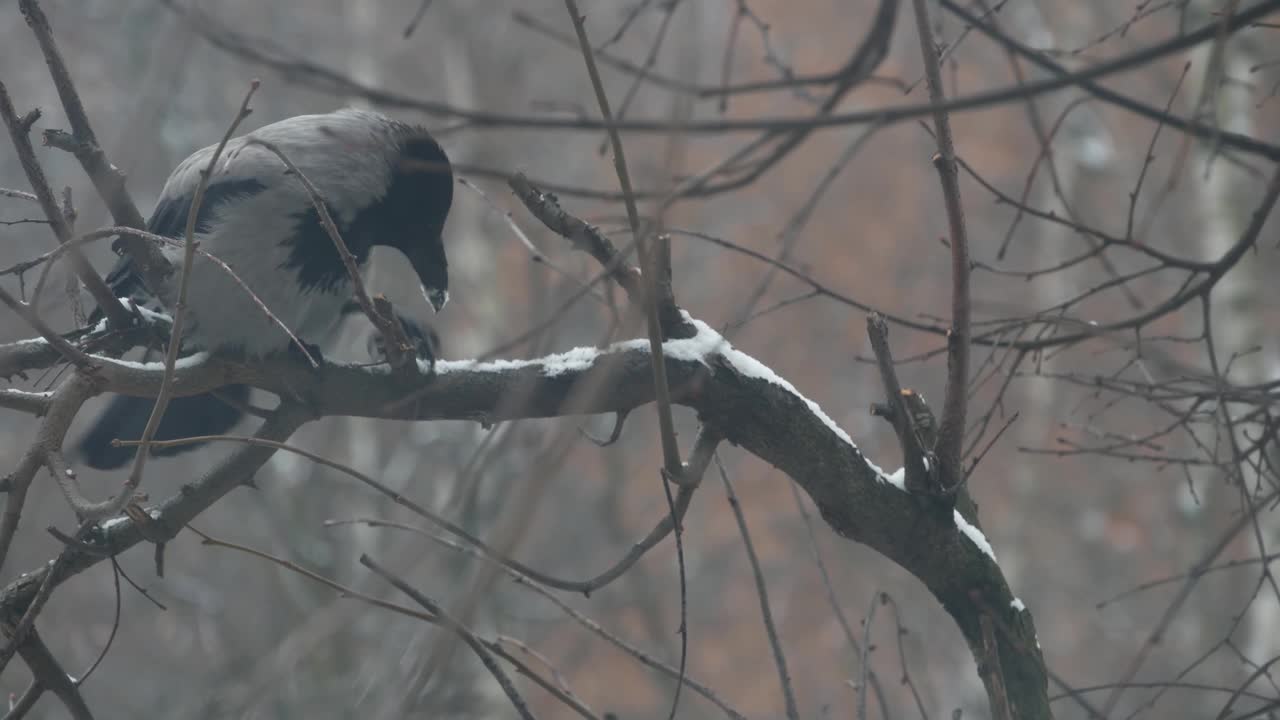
[126, 417]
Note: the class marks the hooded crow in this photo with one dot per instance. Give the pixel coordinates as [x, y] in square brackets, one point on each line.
[384, 183]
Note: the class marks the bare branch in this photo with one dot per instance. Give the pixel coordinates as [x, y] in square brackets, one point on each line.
[63, 404]
[864, 663]
[949, 448]
[49, 675]
[319, 76]
[398, 348]
[73, 354]
[18, 134]
[179, 315]
[699, 458]
[221, 265]
[18, 709]
[916, 453]
[467, 636]
[535, 254]
[650, 257]
[586, 622]
[762, 594]
[766, 417]
[583, 237]
[559, 689]
[83, 143]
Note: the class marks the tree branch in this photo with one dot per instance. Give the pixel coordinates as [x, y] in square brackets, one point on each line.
[584, 237]
[952, 425]
[916, 453]
[395, 342]
[18, 134]
[179, 308]
[83, 143]
[650, 258]
[314, 75]
[729, 390]
[50, 676]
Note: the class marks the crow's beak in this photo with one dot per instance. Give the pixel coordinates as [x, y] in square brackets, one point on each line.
[436, 298]
[432, 270]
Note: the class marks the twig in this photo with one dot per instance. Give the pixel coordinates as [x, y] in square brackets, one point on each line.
[319, 76]
[106, 178]
[557, 689]
[983, 453]
[952, 425]
[900, 632]
[18, 709]
[618, 422]
[699, 458]
[24, 629]
[762, 594]
[535, 254]
[294, 567]
[63, 405]
[649, 258]
[542, 659]
[18, 133]
[676, 516]
[584, 237]
[179, 312]
[584, 621]
[468, 637]
[398, 348]
[28, 593]
[116, 572]
[28, 313]
[651, 58]
[915, 453]
[866, 656]
[222, 265]
[18, 194]
[832, 599]
[423, 6]
[431, 616]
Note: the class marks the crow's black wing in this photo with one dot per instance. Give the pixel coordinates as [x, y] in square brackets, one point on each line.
[170, 216]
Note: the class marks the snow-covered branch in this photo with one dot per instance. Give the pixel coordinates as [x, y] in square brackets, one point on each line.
[731, 391]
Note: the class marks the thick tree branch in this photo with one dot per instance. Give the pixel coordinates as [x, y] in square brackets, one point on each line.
[728, 389]
[50, 676]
